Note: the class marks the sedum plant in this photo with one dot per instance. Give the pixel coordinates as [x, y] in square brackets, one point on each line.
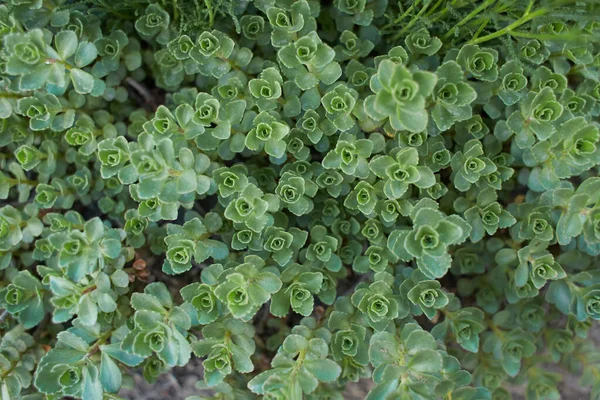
[300, 195]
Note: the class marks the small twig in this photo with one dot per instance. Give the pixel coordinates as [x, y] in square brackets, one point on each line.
[142, 91]
[89, 289]
[3, 315]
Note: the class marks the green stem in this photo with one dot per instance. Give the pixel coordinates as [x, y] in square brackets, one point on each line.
[442, 13]
[11, 95]
[175, 10]
[408, 10]
[13, 364]
[299, 362]
[481, 28]
[435, 7]
[404, 15]
[67, 66]
[101, 340]
[497, 331]
[469, 17]
[411, 22]
[541, 36]
[14, 182]
[525, 18]
[211, 15]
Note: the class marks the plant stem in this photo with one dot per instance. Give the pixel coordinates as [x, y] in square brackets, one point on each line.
[101, 340]
[404, 15]
[21, 182]
[3, 315]
[211, 15]
[525, 18]
[67, 66]
[175, 10]
[540, 36]
[299, 362]
[469, 17]
[442, 13]
[13, 365]
[495, 329]
[10, 95]
[435, 7]
[481, 28]
[411, 23]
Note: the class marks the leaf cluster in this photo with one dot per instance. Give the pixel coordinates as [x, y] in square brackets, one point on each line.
[301, 194]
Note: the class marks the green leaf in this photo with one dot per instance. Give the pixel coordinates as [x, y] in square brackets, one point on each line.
[110, 375]
[82, 81]
[294, 344]
[66, 44]
[88, 311]
[426, 361]
[91, 386]
[323, 370]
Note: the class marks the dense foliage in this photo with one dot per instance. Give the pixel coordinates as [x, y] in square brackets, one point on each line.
[301, 194]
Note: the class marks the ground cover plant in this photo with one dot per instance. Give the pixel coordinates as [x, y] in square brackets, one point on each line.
[301, 194]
